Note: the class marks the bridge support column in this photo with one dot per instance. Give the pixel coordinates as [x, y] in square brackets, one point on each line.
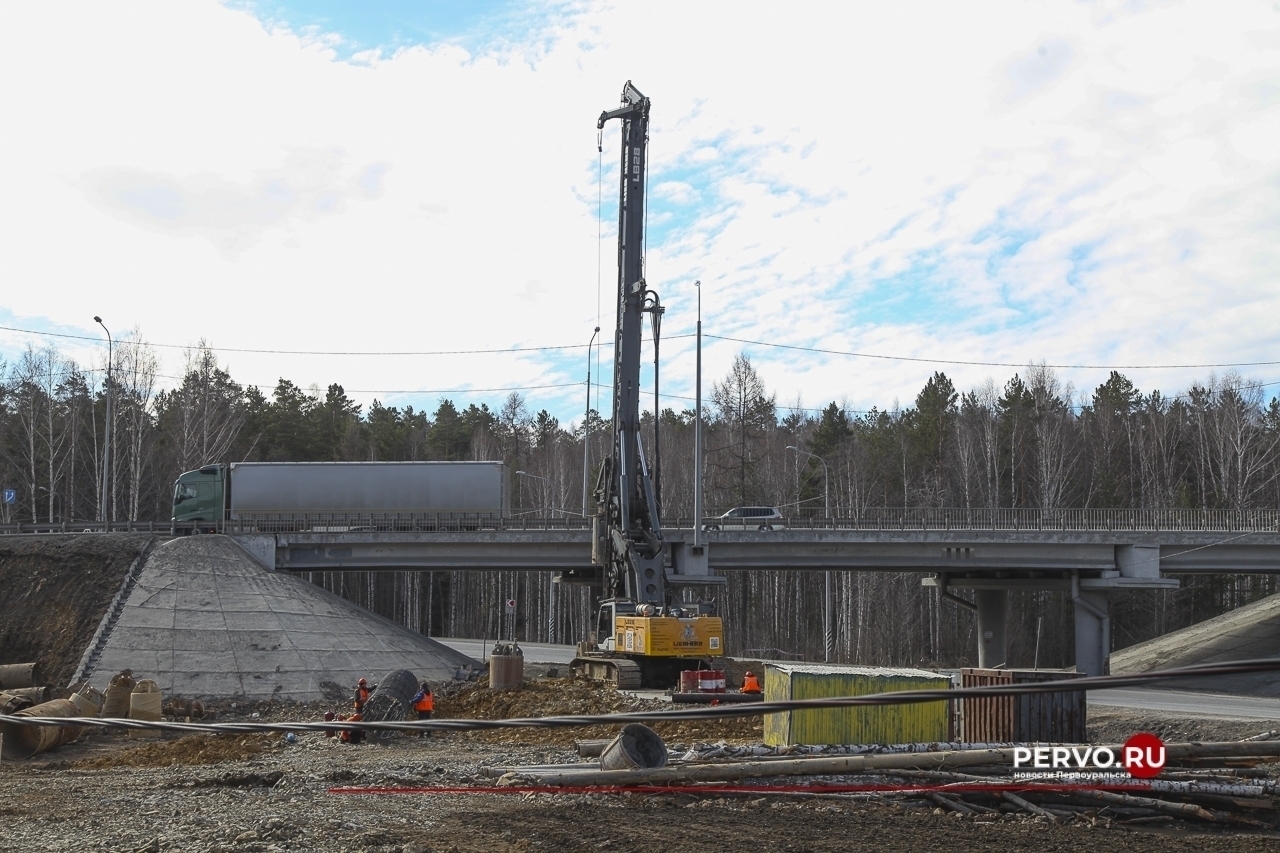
[993, 608]
[1093, 630]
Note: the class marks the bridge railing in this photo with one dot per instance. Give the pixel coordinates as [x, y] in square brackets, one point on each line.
[1069, 519]
[878, 518]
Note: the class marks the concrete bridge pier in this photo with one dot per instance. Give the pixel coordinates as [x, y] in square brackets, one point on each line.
[1090, 600]
[1093, 629]
[993, 611]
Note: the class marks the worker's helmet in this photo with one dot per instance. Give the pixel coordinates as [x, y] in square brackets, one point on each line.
[750, 674]
[364, 683]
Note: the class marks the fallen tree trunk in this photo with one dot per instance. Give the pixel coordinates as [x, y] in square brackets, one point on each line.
[729, 771]
[1010, 797]
[870, 763]
[1179, 809]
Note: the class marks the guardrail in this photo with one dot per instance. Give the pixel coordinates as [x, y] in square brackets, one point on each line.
[892, 518]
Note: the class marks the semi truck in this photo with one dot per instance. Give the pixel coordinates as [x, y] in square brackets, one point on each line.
[343, 496]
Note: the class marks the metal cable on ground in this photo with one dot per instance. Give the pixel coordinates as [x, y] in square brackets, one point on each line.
[749, 709]
[714, 790]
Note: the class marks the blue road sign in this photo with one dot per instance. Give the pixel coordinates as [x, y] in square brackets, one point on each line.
[10, 496]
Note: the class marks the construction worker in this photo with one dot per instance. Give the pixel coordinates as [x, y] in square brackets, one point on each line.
[352, 735]
[424, 703]
[750, 684]
[362, 695]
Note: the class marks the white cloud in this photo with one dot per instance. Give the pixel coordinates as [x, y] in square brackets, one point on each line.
[998, 182]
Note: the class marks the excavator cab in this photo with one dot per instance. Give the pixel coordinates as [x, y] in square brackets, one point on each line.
[642, 645]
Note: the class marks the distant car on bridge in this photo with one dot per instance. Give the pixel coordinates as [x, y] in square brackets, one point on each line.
[748, 518]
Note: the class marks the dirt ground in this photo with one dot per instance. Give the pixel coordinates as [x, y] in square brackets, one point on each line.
[61, 585]
[546, 697]
[287, 798]
[256, 792]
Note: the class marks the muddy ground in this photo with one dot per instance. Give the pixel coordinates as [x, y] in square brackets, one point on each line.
[56, 590]
[256, 792]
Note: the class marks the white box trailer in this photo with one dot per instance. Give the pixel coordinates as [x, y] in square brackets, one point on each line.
[339, 496]
[369, 487]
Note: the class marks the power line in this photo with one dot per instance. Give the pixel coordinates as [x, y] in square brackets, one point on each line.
[392, 353]
[748, 341]
[987, 363]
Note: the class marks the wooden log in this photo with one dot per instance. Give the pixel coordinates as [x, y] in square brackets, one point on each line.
[1010, 797]
[534, 769]
[824, 766]
[1171, 786]
[948, 803]
[1178, 809]
[591, 748]
[1259, 737]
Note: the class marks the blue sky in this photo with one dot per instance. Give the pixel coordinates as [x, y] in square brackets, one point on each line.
[1085, 184]
[388, 25]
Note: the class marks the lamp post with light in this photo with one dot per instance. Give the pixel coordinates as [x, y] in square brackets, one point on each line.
[103, 513]
[535, 477]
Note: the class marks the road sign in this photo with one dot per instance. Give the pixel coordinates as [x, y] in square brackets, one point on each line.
[10, 496]
[511, 605]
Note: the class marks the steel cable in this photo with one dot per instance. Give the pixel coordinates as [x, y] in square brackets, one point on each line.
[750, 709]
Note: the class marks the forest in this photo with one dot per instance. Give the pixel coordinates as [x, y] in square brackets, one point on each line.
[1032, 441]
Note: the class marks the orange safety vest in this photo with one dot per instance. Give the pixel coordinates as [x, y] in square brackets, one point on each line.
[426, 703]
[346, 735]
[362, 696]
[750, 684]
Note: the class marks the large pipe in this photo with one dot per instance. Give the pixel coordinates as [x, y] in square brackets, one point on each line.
[34, 695]
[25, 741]
[19, 675]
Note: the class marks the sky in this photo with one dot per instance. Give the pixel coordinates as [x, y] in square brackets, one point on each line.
[305, 185]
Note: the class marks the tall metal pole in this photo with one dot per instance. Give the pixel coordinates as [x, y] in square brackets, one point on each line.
[697, 431]
[586, 427]
[828, 623]
[103, 509]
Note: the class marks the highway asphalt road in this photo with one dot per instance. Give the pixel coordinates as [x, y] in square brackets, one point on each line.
[1186, 702]
[1190, 702]
[533, 652]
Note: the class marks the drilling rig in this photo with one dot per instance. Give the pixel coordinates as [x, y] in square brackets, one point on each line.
[641, 638]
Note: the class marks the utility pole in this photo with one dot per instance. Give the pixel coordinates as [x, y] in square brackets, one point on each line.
[828, 624]
[103, 508]
[697, 430]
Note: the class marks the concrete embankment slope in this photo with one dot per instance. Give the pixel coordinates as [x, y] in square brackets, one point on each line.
[1252, 631]
[54, 591]
[206, 620]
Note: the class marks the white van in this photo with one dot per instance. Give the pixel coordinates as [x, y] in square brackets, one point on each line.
[748, 518]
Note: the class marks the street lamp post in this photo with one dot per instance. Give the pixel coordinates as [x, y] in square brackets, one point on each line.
[586, 427]
[697, 430]
[535, 477]
[828, 625]
[103, 510]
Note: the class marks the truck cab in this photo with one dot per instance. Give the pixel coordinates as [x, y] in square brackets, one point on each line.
[201, 496]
